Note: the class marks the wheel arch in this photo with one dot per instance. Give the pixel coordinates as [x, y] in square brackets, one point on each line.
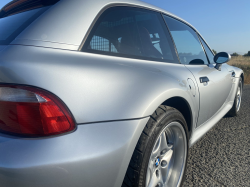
[184, 108]
[242, 76]
[180, 99]
[177, 102]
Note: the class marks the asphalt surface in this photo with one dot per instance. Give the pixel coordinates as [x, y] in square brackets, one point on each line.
[222, 156]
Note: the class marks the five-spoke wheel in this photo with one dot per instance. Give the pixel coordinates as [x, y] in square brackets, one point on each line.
[238, 96]
[167, 160]
[237, 101]
[159, 159]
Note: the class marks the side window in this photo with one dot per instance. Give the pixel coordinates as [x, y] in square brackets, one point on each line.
[210, 55]
[187, 42]
[133, 33]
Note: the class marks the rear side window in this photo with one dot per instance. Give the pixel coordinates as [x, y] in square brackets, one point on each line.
[12, 26]
[187, 42]
[133, 33]
[210, 55]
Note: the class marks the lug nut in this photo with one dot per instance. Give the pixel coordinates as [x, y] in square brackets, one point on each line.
[164, 163]
[163, 151]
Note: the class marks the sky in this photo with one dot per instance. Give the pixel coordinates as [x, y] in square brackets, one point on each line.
[224, 24]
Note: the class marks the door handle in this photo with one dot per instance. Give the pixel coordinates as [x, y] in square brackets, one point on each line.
[233, 74]
[204, 79]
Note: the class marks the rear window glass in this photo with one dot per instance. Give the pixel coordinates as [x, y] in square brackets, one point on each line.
[12, 26]
[132, 33]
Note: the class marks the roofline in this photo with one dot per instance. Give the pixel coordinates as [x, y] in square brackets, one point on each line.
[46, 32]
[127, 3]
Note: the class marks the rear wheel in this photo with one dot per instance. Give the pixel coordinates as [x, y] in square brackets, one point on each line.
[160, 156]
[237, 101]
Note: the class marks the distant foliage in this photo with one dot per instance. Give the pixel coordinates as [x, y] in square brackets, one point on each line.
[242, 62]
[214, 51]
[235, 54]
[247, 54]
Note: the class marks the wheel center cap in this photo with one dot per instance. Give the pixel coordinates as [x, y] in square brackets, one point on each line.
[157, 162]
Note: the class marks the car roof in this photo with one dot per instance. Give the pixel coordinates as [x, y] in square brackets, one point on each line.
[67, 23]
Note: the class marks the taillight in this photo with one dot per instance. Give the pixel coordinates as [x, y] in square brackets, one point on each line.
[33, 112]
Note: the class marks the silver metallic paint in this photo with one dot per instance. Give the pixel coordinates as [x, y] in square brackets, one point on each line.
[213, 120]
[214, 93]
[94, 155]
[98, 87]
[95, 88]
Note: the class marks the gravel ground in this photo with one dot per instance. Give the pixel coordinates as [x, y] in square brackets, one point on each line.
[222, 156]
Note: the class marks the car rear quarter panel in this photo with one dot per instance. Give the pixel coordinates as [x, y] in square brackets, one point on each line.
[95, 155]
[98, 87]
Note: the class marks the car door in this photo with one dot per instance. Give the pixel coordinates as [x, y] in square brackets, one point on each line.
[214, 85]
[229, 79]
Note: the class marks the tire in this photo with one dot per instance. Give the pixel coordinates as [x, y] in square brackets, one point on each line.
[237, 101]
[155, 161]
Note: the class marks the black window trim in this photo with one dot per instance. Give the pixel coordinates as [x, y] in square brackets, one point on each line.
[126, 5]
[102, 11]
[203, 48]
[201, 38]
[194, 31]
[176, 52]
[124, 55]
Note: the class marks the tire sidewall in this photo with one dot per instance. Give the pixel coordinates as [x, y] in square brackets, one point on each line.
[166, 119]
[235, 112]
[240, 83]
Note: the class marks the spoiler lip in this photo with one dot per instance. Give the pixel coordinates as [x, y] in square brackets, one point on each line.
[18, 6]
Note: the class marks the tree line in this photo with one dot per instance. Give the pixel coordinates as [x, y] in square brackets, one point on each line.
[234, 54]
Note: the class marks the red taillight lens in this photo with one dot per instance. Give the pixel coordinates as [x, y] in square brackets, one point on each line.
[33, 112]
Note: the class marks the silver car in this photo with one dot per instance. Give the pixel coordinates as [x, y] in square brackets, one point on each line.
[105, 93]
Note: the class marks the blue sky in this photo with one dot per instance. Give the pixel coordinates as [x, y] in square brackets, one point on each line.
[225, 24]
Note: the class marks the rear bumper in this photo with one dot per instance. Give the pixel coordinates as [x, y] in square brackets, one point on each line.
[92, 156]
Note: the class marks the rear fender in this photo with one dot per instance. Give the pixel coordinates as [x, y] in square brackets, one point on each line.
[97, 87]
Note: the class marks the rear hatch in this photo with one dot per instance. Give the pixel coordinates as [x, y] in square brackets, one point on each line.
[18, 15]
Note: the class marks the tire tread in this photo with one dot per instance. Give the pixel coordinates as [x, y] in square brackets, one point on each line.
[132, 178]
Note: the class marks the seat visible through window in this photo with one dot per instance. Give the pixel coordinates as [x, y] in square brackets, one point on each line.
[133, 33]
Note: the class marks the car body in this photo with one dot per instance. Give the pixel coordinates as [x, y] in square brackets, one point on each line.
[110, 97]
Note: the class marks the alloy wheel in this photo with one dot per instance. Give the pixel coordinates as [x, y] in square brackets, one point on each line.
[167, 160]
[239, 94]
